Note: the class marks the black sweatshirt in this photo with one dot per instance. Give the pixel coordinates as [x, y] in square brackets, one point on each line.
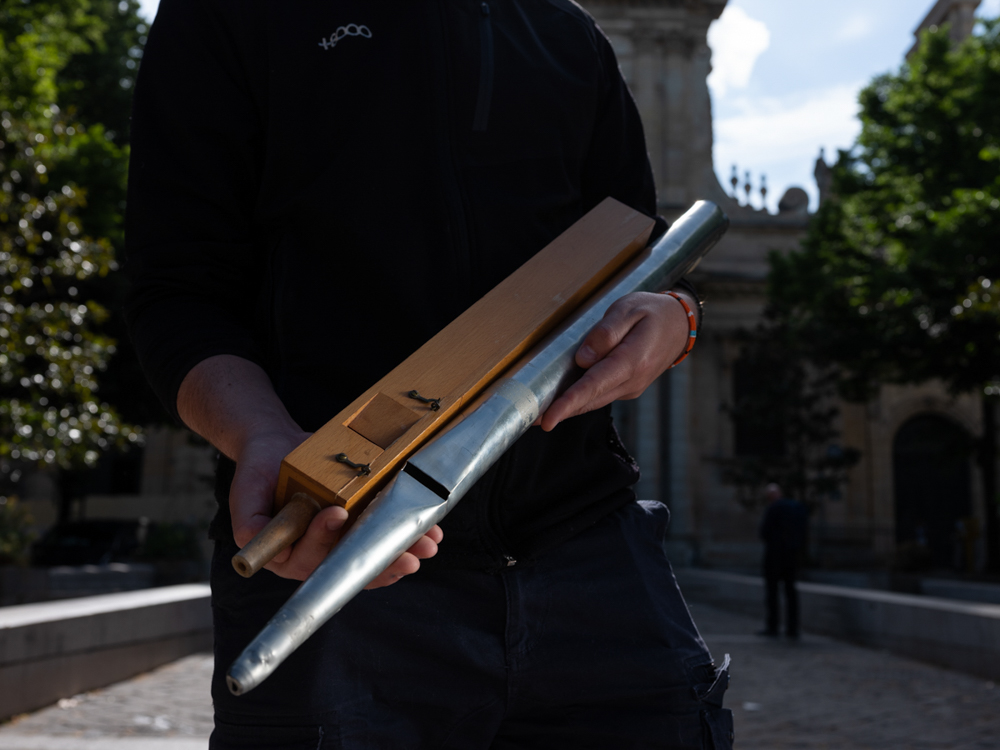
[321, 187]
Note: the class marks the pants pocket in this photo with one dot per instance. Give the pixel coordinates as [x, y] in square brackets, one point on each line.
[717, 722]
[718, 728]
[712, 692]
[242, 736]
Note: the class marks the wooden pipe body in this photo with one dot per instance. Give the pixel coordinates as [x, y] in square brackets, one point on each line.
[352, 456]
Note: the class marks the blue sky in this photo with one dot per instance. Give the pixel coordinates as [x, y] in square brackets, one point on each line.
[786, 75]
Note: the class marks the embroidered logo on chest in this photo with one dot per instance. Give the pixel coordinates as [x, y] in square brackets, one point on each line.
[351, 29]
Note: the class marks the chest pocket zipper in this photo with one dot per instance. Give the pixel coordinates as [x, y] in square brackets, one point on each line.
[485, 70]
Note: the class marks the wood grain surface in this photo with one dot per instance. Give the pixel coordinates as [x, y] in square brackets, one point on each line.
[463, 359]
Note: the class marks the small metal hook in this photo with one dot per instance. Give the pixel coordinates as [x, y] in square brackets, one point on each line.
[363, 469]
[434, 403]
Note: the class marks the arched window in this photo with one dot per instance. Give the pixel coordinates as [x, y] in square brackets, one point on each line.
[933, 486]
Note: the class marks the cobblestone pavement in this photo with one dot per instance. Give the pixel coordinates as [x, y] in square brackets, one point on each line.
[167, 709]
[813, 694]
[819, 693]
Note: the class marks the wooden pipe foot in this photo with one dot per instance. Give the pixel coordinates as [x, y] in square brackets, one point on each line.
[284, 529]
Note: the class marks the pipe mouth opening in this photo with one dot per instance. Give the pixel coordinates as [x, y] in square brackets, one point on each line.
[427, 481]
[234, 686]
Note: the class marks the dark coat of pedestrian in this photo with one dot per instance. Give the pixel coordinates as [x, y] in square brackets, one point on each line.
[783, 530]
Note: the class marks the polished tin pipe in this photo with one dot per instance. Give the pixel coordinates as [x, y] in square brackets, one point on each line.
[439, 474]
[465, 450]
[399, 515]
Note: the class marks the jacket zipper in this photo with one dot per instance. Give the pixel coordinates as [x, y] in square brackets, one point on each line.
[496, 546]
[458, 229]
[493, 536]
[491, 520]
[485, 70]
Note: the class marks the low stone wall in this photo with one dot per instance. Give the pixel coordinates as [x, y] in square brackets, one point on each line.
[29, 585]
[954, 634]
[57, 649]
[987, 593]
[20, 585]
[908, 583]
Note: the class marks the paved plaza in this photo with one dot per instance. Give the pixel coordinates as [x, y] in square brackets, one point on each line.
[818, 693]
[813, 694]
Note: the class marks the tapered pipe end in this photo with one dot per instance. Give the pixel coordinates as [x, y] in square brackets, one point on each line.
[284, 529]
[279, 638]
[403, 512]
[234, 685]
[253, 667]
[241, 676]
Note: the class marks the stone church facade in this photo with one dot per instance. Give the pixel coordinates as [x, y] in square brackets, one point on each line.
[679, 430]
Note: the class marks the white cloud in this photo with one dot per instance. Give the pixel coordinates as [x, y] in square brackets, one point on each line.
[857, 26]
[737, 40]
[781, 137]
[989, 9]
[147, 8]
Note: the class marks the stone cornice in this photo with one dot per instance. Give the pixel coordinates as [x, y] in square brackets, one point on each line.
[711, 8]
[767, 222]
[671, 39]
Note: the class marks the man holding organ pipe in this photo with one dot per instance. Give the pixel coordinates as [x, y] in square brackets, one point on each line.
[307, 207]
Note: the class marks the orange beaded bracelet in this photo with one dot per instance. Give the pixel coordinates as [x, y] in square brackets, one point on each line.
[692, 328]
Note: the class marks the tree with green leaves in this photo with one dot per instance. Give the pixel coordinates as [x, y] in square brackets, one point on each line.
[896, 278]
[94, 88]
[52, 346]
[784, 415]
[16, 535]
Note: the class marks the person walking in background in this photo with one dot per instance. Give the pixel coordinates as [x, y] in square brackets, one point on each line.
[783, 530]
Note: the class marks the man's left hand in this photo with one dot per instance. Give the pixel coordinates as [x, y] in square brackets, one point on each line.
[640, 336]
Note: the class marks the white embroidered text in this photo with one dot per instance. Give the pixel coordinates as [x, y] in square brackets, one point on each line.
[352, 29]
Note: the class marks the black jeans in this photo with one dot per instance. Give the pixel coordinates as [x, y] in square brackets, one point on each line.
[590, 647]
[780, 569]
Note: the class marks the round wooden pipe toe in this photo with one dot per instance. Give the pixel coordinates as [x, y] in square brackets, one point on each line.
[285, 528]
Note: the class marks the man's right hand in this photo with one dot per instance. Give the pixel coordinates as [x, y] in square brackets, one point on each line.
[230, 402]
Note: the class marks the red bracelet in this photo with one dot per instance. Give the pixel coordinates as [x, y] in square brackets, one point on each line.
[692, 328]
